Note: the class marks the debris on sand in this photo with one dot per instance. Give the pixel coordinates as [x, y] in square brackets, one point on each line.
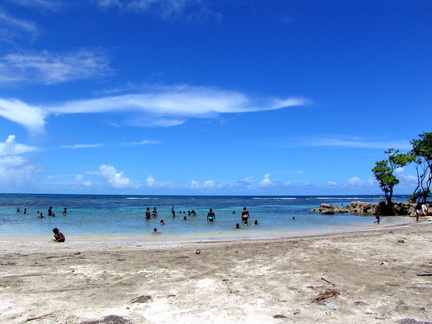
[110, 319]
[326, 294]
[141, 299]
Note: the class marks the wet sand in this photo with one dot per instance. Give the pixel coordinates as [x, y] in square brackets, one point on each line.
[369, 277]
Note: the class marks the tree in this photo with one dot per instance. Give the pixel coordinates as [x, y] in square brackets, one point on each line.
[422, 152]
[384, 171]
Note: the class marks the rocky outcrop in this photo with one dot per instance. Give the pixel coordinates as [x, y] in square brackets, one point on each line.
[361, 208]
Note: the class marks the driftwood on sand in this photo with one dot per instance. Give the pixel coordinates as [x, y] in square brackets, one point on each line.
[326, 294]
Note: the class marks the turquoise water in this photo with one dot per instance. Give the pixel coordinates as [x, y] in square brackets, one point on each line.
[102, 217]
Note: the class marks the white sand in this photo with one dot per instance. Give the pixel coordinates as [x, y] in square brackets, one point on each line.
[248, 281]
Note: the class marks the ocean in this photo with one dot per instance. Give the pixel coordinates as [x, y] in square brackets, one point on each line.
[122, 217]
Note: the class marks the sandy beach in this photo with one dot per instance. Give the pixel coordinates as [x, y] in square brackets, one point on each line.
[377, 276]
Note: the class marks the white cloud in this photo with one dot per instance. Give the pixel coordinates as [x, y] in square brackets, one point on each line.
[354, 181]
[177, 101]
[399, 170]
[358, 182]
[109, 176]
[332, 183]
[82, 146]
[50, 68]
[266, 181]
[115, 179]
[10, 147]
[151, 181]
[206, 185]
[408, 178]
[80, 179]
[193, 185]
[161, 106]
[15, 170]
[143, 142]
[170, 103]
[209, 184]
[31, 117]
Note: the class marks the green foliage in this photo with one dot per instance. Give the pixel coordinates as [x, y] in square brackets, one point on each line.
[384, 171]
[422, 153]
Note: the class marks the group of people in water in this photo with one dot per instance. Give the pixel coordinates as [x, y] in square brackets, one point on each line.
[40, 215]
[211, 217]
[58, 236]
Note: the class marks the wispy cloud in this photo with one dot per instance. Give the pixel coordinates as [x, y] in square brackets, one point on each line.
[143, 142]
[51, 5]
[89, 146]
[186, 10]
[167, 106]
[346, 142]
[82, 146]
[359, 143]
[11, 27]
[50, 68]
[181, 101]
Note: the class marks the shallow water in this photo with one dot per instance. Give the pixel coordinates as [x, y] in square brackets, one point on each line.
[103, 217]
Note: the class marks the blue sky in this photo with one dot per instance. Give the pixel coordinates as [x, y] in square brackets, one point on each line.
[246, 97]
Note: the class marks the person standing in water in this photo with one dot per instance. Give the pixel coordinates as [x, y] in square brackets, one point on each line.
[211, 216]
[147, 213]
[245, 216]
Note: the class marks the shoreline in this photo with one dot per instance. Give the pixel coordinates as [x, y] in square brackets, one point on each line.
[243, 281]
[215, 237]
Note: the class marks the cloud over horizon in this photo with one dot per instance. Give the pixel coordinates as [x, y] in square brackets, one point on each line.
[166, 106]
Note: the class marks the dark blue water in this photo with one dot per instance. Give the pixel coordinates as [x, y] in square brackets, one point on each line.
[110, 217]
